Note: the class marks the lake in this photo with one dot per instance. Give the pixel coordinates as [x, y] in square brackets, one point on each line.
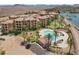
[74, 17]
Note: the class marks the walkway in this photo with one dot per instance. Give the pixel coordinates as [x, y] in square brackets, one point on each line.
[38, 50]
[75, 34]
[65, 37]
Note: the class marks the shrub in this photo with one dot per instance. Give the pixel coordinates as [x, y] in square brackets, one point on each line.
[2, 52]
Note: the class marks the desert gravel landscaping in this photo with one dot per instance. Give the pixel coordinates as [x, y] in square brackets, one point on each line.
[12, 47]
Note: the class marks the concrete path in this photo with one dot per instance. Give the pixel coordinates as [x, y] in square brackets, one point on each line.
[38, 50]
[65, 37]
[75, 34]
[76, 39]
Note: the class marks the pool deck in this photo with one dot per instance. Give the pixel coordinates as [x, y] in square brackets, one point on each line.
[63, 44]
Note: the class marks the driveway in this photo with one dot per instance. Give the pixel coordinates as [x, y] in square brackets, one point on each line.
[38, 50]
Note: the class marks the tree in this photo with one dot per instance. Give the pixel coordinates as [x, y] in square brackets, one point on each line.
[25, 28]
[37, 33]
[70, 43]
[38, 26]
[60, 20]
[24, 35]
[48, 36]
[33, 37]
[49, 21]
[68, 26]
[55, 37]
[15, 31]
[2, 52]
[28, 39]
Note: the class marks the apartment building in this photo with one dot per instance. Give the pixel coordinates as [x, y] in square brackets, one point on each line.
[24, 22]
[18, 24]
[32, 22]
[44, 20]
[7, 26]
[13, 17]
[3, 19]
[42, 12]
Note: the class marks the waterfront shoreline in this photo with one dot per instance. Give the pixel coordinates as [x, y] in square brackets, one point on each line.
[73, 18]
[74, 25]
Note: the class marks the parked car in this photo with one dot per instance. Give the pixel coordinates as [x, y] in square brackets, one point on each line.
[23, 43]
[28, 46]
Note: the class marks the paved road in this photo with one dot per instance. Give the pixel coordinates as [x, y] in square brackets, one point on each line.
[76, 38]
[38, 50]
[75, 34]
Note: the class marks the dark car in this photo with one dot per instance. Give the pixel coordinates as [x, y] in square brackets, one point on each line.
[23, 43]
[28, 46]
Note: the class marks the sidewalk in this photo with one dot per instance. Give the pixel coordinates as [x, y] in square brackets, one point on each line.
[75, 34]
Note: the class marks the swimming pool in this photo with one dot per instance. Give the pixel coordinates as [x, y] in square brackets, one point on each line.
[48, 33]
[55, 37]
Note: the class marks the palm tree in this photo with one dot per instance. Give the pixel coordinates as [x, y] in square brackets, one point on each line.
[37, 33]
[68, 27]
[48, 36]
[60, 21]
[55, 37]
[24, 28]
[70, 43]
[39, 25]
[14, 31]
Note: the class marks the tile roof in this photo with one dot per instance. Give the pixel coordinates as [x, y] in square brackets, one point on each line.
[43, 40]
[19, 19]
[4, 18]
[7, 22]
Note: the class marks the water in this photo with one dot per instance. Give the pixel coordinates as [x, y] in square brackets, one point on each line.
[74, 17]
[48, 33]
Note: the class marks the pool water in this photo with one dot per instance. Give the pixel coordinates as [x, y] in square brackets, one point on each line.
[50, 34]
[55, 37]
